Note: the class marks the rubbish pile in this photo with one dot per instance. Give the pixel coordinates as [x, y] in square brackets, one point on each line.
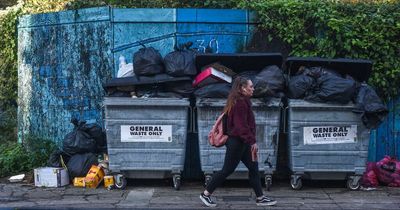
[324, 85]
[179, 76]
[152, 76]
[77, 160]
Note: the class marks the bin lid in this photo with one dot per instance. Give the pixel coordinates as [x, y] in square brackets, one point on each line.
[359, 69]
[143, 80]
[240, 62]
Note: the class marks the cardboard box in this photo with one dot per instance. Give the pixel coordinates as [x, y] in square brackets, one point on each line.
[211, 75]
[51, 177]
[94, 177]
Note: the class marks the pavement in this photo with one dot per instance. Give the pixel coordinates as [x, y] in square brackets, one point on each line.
[159, 194]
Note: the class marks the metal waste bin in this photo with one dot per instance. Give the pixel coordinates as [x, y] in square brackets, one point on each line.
[327, 141]
[266, 112]
[146, 137]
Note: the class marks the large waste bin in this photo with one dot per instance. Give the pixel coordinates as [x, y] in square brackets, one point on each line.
[266, 111]
[146, 137]
[327, 141]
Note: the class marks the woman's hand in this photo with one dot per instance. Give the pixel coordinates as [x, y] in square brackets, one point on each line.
[254, 152]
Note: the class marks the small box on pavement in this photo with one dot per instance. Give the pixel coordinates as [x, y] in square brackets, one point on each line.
[51, 177]
[79, 182]
[108, 181]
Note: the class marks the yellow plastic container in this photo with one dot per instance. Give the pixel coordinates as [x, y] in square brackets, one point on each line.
[94, 177]
[79, 181]
[108, 181]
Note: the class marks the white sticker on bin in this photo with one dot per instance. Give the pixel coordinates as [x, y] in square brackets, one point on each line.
[330, 134]
[146, 133]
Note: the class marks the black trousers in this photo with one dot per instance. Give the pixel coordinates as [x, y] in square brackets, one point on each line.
[236, 151]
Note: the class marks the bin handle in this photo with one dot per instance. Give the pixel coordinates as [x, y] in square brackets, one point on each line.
[284, 119]
[194, 119]
[190, 117]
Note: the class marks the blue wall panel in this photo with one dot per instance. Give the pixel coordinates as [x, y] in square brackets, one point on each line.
[64, 58]
[385, 139]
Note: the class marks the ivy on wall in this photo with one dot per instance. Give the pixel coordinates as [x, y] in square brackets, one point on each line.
[338, 29]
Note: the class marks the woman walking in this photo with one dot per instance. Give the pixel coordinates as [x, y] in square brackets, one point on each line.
[241, 144]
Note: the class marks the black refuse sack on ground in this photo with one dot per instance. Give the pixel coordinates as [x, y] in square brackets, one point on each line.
[79, 164]
[370, 105]
[147, 61]
[97, 133]
[269, 82]
[79, 141]
[55, 158]
[217, 90]
[181, 62]
[330, 87]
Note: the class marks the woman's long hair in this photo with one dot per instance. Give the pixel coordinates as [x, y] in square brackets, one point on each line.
[235, 93]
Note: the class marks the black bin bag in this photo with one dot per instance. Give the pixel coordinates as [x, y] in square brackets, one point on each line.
[368, 103]
[97, 133]
[79, 164]
[147, 61]
[79, 141]
[217, 90]
[269, 82]
[300, 85]
[333, 88]
[181, 62]
[56, 157]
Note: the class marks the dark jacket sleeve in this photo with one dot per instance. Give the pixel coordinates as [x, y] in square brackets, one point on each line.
[239, 121]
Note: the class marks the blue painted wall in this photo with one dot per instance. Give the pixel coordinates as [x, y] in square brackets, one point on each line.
[63, 60]
[385, 139]
[66, 57]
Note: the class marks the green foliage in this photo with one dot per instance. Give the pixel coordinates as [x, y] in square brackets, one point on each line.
[8, 59]
[337, 29]
[17, 158]
[8, 122]
[154, 4]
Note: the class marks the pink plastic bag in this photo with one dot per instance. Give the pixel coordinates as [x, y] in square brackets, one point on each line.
[388, 171]
[369, 178]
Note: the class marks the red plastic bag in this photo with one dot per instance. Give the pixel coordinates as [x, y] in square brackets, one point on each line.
[369, 178]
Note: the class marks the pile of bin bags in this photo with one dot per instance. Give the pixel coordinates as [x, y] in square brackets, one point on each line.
[172, 77]
[80, 148]
[153, 76]
[386, 172]
[320, 84]
[215, 80]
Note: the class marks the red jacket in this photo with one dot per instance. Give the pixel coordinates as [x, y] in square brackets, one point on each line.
[241, 122]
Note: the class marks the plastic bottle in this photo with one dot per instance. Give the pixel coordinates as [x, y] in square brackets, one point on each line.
[122, 61]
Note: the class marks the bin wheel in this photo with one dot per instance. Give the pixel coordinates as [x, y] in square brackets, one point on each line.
[351, 185]
[268, 182]
[296, 182]
[177, 181]
[207, 179]
[120, 182]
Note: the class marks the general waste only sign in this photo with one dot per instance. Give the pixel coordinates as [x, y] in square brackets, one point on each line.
[146, 133]
[330, 134]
